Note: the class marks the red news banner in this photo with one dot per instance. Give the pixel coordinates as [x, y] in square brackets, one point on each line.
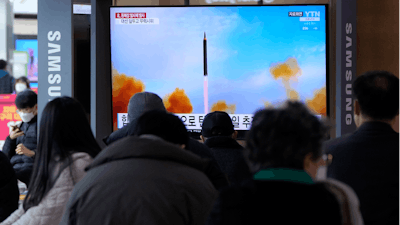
[134, 19]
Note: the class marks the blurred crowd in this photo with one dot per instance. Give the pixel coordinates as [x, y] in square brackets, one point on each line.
[153, 172]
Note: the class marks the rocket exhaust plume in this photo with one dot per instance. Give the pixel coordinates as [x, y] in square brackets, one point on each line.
[124, 87]
[222, 106]
[318, 103]
[178, 102]
[287, 70]
[205, 74]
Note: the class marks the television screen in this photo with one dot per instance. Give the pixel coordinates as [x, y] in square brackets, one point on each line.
[31, 47]
[236, 59]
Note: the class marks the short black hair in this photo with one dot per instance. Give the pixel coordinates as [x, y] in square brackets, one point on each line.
[162, 124]
[26, 99]
[282, 137]
[378, 94]
[3, 64]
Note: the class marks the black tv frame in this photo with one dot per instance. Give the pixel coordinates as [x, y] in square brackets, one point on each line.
[242, 134]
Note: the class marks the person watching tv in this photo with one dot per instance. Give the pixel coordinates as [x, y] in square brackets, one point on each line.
[368, 159]
[147, 178]
[143, 102]
[284, 152]
[219, 135]
[66, 147]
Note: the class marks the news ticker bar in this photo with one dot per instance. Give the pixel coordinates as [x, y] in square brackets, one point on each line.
[144, 21]
[195, 121]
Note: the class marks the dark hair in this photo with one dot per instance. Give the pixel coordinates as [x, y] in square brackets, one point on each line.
[283, 137]
[378, 94]
[64, 129]
[24, 80]
[3, 64]
[162, 124]
[26, 99]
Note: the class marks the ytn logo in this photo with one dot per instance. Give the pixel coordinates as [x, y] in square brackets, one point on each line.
[312, 13]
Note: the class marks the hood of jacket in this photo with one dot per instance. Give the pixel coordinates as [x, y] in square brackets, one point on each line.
[148, 147]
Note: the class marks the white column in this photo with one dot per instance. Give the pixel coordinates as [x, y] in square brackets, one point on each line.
[6, 29]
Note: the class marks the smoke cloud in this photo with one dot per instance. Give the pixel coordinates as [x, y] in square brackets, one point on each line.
[286, 70]
[222, 106]
[293, 95]
[318, 103]
[124, 87]
[178, 102]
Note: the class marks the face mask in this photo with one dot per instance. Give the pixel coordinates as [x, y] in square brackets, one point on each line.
[20, 87]
[26, 117]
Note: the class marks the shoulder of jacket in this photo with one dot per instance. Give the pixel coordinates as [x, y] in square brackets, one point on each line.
[81, 159]
[346, 189]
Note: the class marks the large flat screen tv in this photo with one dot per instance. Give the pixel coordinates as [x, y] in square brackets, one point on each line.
[236, 59]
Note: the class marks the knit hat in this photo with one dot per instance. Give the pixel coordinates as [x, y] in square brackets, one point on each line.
[143, 102]
[217, 124]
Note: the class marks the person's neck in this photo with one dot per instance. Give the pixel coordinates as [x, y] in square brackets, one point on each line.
[365, 119]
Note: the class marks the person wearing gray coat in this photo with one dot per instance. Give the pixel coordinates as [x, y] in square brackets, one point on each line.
[66, 146]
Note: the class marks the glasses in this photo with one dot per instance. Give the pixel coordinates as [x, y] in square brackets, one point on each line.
[327, 158]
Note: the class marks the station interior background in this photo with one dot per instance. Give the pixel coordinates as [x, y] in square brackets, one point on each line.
[378, 32]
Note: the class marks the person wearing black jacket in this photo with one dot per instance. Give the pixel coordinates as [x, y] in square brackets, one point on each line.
[21, 144]
[9, 193]
[219, 135]
[368, 159]
[148, 178]
[143, 102]
[284, 153]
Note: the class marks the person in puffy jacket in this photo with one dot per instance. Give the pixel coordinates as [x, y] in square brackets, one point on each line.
[20, 146]
[66, 147]
[149, 178]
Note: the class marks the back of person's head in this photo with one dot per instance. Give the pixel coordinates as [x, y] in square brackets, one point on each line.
[217, 124]
[143, 102]
[283, 137]
[162, 124]
[64, 129]
[21, 84]
[26, 99]
[378, 94]
[3, 64]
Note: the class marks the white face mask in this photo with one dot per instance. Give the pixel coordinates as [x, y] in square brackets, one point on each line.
[20, 87]
[26, 117]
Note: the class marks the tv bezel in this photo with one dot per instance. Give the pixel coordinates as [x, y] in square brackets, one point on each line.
[242, 134]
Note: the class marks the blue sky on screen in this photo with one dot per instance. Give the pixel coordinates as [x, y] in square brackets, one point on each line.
[242, 43]
[24, 45]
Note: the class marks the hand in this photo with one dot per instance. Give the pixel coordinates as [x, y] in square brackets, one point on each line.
[21, 149]
[16, 132]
